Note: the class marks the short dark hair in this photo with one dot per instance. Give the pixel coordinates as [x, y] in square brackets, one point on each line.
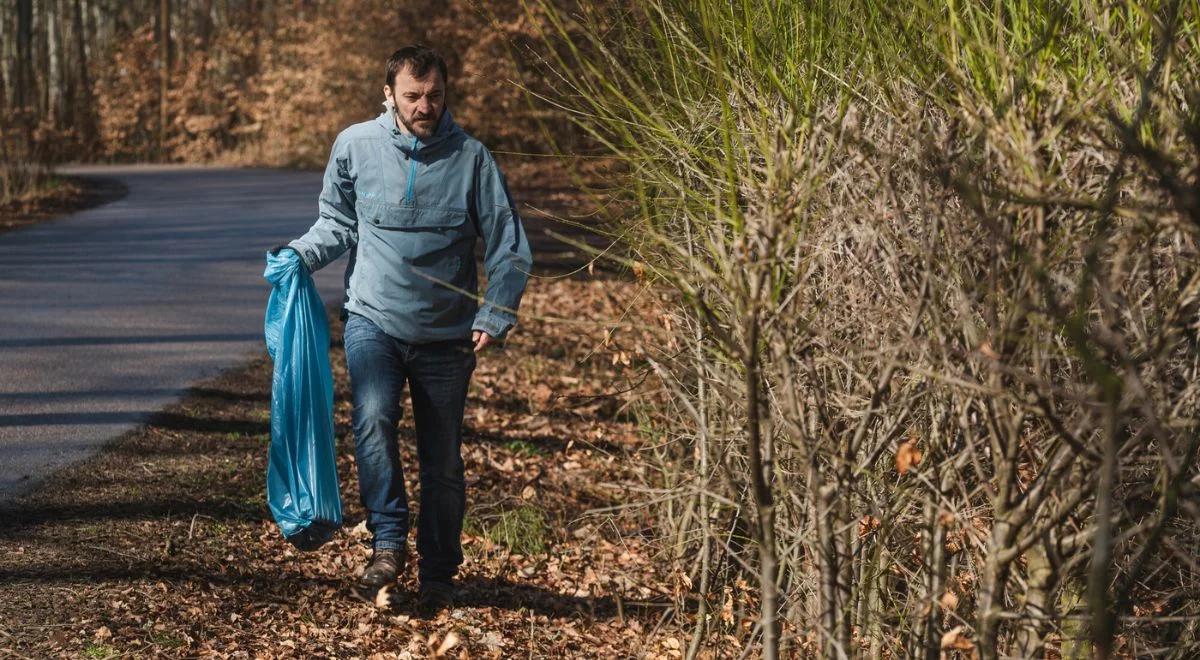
[420, 58]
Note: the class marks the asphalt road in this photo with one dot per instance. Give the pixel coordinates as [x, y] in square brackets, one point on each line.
[109, 314]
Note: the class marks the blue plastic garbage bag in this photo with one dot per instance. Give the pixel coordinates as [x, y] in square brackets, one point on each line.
[302, 482]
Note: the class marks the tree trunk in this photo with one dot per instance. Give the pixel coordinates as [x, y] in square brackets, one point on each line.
[38, 80]
[95, 27]
[1100, 605]
[164, 40]
[827, 561]
[84, 112]
[54, 73]
[8, 56]
[24, 74]
[760, 458]
[1039, 579]
[204, 24]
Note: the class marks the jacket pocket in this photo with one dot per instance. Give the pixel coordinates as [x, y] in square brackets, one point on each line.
[434, 244]
[393, 216]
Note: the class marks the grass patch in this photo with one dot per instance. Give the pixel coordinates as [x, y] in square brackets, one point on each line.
[522, 530]
[472, 525]
[166, 640]
[523, 448]
[99, 651]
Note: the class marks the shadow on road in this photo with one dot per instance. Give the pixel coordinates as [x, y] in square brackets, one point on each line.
[38, 342]
[170, 421]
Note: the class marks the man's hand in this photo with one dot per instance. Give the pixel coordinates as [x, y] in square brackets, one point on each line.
[481, 339]
[274, 252]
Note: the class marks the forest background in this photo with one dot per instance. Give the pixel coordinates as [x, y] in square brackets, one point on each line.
[253, 82]
[927, 376]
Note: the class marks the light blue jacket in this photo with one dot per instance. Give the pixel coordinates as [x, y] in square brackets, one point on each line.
[410, 211]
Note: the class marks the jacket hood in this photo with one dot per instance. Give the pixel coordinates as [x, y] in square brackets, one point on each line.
[446, 128]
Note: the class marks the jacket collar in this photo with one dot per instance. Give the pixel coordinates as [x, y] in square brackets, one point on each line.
[410, 143]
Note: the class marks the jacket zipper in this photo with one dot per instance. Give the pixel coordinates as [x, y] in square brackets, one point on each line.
[412, 172]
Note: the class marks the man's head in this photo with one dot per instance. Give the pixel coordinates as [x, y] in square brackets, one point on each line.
[416, 84]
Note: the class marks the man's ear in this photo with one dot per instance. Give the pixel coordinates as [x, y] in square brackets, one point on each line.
[387, 93]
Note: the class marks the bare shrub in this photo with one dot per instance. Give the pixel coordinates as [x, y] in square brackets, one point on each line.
[937, 293]
[29, 147]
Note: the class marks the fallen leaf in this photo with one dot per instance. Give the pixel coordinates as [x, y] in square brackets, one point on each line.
[949, 600]
[988, 351]
[103, 633]
[493, 640]
[60, 638]
[907, 455]
[448, 643]
[956, 639]
[383, 599]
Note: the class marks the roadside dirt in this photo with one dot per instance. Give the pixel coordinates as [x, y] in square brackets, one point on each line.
[68, 195]
[163, 544]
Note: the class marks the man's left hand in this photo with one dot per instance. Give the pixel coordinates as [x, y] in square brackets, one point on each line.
[481, 339]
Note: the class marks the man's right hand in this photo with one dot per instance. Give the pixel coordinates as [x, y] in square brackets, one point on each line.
[481, 339]
[274, 252]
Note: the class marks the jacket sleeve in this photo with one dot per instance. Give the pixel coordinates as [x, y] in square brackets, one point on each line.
[336, 228]
[507, 257]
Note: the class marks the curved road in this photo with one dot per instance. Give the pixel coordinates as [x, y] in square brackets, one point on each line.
[109, 314]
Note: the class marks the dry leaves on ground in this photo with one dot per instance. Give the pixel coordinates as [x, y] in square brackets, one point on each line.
[163, 544]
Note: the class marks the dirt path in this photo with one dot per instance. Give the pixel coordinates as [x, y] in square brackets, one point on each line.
[162, 544]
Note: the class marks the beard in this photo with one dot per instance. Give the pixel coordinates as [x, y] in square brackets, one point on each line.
[423, 130]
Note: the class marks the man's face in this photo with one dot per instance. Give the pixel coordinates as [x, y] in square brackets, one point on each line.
[419, 101]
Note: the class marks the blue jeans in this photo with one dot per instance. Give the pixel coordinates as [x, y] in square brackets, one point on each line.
[438, 374]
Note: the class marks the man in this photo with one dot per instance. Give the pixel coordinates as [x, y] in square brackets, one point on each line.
[408, 193]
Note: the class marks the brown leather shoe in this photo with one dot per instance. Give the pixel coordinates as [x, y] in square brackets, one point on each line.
[381, 571]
